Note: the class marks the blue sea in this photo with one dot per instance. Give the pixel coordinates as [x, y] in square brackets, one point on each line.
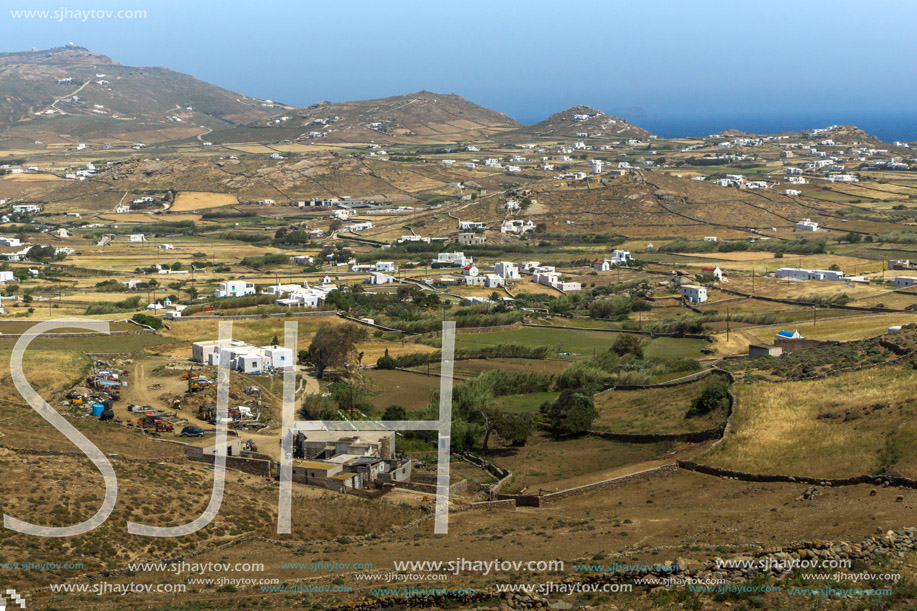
[886, 127]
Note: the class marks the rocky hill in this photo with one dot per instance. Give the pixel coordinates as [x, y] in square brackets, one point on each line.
[69, 93]
[421, 118]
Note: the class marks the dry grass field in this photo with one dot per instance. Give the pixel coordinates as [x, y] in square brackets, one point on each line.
[852, 424]
[196, 200]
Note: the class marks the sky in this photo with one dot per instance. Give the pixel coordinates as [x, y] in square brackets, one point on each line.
[651, 61]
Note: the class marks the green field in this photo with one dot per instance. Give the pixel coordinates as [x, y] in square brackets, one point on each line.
[576, 343]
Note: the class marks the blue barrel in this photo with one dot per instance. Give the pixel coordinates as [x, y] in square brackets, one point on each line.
[97, 409]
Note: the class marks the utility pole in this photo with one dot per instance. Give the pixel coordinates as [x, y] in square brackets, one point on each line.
[814, 315]
[727, 324]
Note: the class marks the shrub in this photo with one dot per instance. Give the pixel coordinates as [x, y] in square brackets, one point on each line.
[627, 343]
[386, 362]
[713, 397]
[583, 377]
[146, 319]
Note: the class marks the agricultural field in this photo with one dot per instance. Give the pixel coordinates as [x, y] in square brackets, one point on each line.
[196, 200]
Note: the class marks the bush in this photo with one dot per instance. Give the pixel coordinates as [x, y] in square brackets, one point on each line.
[386, 362]
[395, 412]
[583, 377]
[112, 307]
[713, 397]
[319, 407]
[627, 343]
[146, 319]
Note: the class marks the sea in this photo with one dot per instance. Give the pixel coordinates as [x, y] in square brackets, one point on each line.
[887, 127]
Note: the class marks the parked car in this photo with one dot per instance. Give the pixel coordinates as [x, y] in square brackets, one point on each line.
[191, 431]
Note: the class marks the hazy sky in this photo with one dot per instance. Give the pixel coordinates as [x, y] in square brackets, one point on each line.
[525, 58]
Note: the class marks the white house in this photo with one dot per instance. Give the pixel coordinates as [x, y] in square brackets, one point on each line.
[7, 277]
[282, 289]
[493, 281]
[26, 208]
[357, 227]
[507, 270]
[303, 260]
[552, 279]
[235, 288]
[470, 225]
[166, 247]
[379, 278]
[384, 266]
[900, 281]
[694, 293]
[471, 270]
[11, 242]
[795, 273]
[452, 259]
[136, 237]
[807, 225]
[517, 226]
[793, 192]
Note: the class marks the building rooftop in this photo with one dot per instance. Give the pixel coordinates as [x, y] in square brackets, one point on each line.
[315, 464]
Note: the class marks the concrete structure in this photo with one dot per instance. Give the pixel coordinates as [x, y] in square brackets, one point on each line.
[471, 239]
[757, 350]
[905, 281]
[807, 225]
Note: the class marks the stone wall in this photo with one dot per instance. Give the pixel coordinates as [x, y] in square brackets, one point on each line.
[427, 483]
[254, 466]
[876, 480]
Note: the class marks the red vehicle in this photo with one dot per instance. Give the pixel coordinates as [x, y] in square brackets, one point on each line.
[152, 421]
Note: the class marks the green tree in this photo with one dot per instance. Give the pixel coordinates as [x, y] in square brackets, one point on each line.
[628, 343]
[571, 413]
[335, 346]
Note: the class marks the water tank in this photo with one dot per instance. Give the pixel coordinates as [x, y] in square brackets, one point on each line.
[97, 409]
[107, 415]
